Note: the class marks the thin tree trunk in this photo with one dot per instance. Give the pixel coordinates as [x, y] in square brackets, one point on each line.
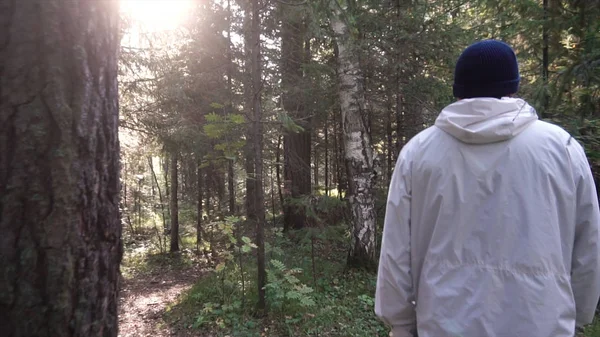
[357, 145]
[160, 198]
[336, 159]
[259, 204]
[218, 183]
[230, 163]
[248, 107]
[316, 166]
[545, 29]
[326, 131]
[231, 186]
[207, 204]
[165, 162]
[272, 192]
[174, 205]
[400, 118]
[60, 241]
[390, 142]
[250, 183]
[199, 206]
[278, 170]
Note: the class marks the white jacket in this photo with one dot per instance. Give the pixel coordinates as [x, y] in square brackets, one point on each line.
[491, 228]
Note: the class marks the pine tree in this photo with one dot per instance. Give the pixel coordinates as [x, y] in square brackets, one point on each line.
[60, 247]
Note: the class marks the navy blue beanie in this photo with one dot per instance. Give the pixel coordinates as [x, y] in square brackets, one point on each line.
[487, 68]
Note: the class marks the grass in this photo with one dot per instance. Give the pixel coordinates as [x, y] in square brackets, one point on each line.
[324, 299]
[593, 330]
[332, 302]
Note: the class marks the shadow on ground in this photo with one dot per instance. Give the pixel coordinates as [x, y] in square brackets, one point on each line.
[145, 295]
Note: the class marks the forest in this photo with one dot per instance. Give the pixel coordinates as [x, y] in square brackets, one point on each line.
[255, 141]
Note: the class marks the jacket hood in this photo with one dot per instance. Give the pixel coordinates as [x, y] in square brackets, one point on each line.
[486, 120]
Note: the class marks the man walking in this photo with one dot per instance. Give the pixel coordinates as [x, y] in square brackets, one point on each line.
[492, 220]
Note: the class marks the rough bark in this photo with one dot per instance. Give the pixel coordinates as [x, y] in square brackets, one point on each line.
[60, 241]
[174, 247]
[259, 204]
[358, 152]
[296, 145]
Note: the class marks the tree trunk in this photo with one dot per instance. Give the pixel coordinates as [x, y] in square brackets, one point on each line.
[230, 163]
[207, 204]
[545, 28]
[358, 151]
[160, 198]
[278, 170]
[400, 121]
[336, 155]
[60, 241]
[248, 101]
[250, 183]
[231, 186]
[316, 166]
[165, 164]
[199, 205]
[390, 142]
[296, 144]
[174, 205]
[219, 184]
[259, 204]
[326, 129]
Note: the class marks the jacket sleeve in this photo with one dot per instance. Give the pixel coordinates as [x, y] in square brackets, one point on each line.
[394, 297]
[585, 264]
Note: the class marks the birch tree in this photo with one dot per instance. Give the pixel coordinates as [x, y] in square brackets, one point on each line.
[358, 152]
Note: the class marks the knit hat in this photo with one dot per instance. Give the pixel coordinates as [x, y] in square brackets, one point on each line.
[487, 68]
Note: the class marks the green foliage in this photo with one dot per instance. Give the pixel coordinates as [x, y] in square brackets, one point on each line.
[285, 289]
[289, 124]
[593, 330]
[339, 303]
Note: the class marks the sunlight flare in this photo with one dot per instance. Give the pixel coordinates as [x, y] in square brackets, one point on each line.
[157, 15]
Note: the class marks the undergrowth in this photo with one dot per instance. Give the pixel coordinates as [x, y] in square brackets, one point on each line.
[309, 291]
[593, 330]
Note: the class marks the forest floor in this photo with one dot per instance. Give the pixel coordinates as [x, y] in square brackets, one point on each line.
[150, 284]
[180, 295]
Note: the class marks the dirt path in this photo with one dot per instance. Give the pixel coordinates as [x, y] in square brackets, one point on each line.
[144, 298]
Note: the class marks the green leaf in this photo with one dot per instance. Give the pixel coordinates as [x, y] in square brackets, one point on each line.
[278, 265]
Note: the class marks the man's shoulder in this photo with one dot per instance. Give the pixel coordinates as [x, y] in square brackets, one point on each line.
[549, 133]
[549, 129]
[421, 139]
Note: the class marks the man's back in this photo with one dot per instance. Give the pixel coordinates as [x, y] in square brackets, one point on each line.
[501, 210]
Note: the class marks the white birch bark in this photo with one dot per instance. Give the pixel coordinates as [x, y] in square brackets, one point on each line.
[358, 151]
